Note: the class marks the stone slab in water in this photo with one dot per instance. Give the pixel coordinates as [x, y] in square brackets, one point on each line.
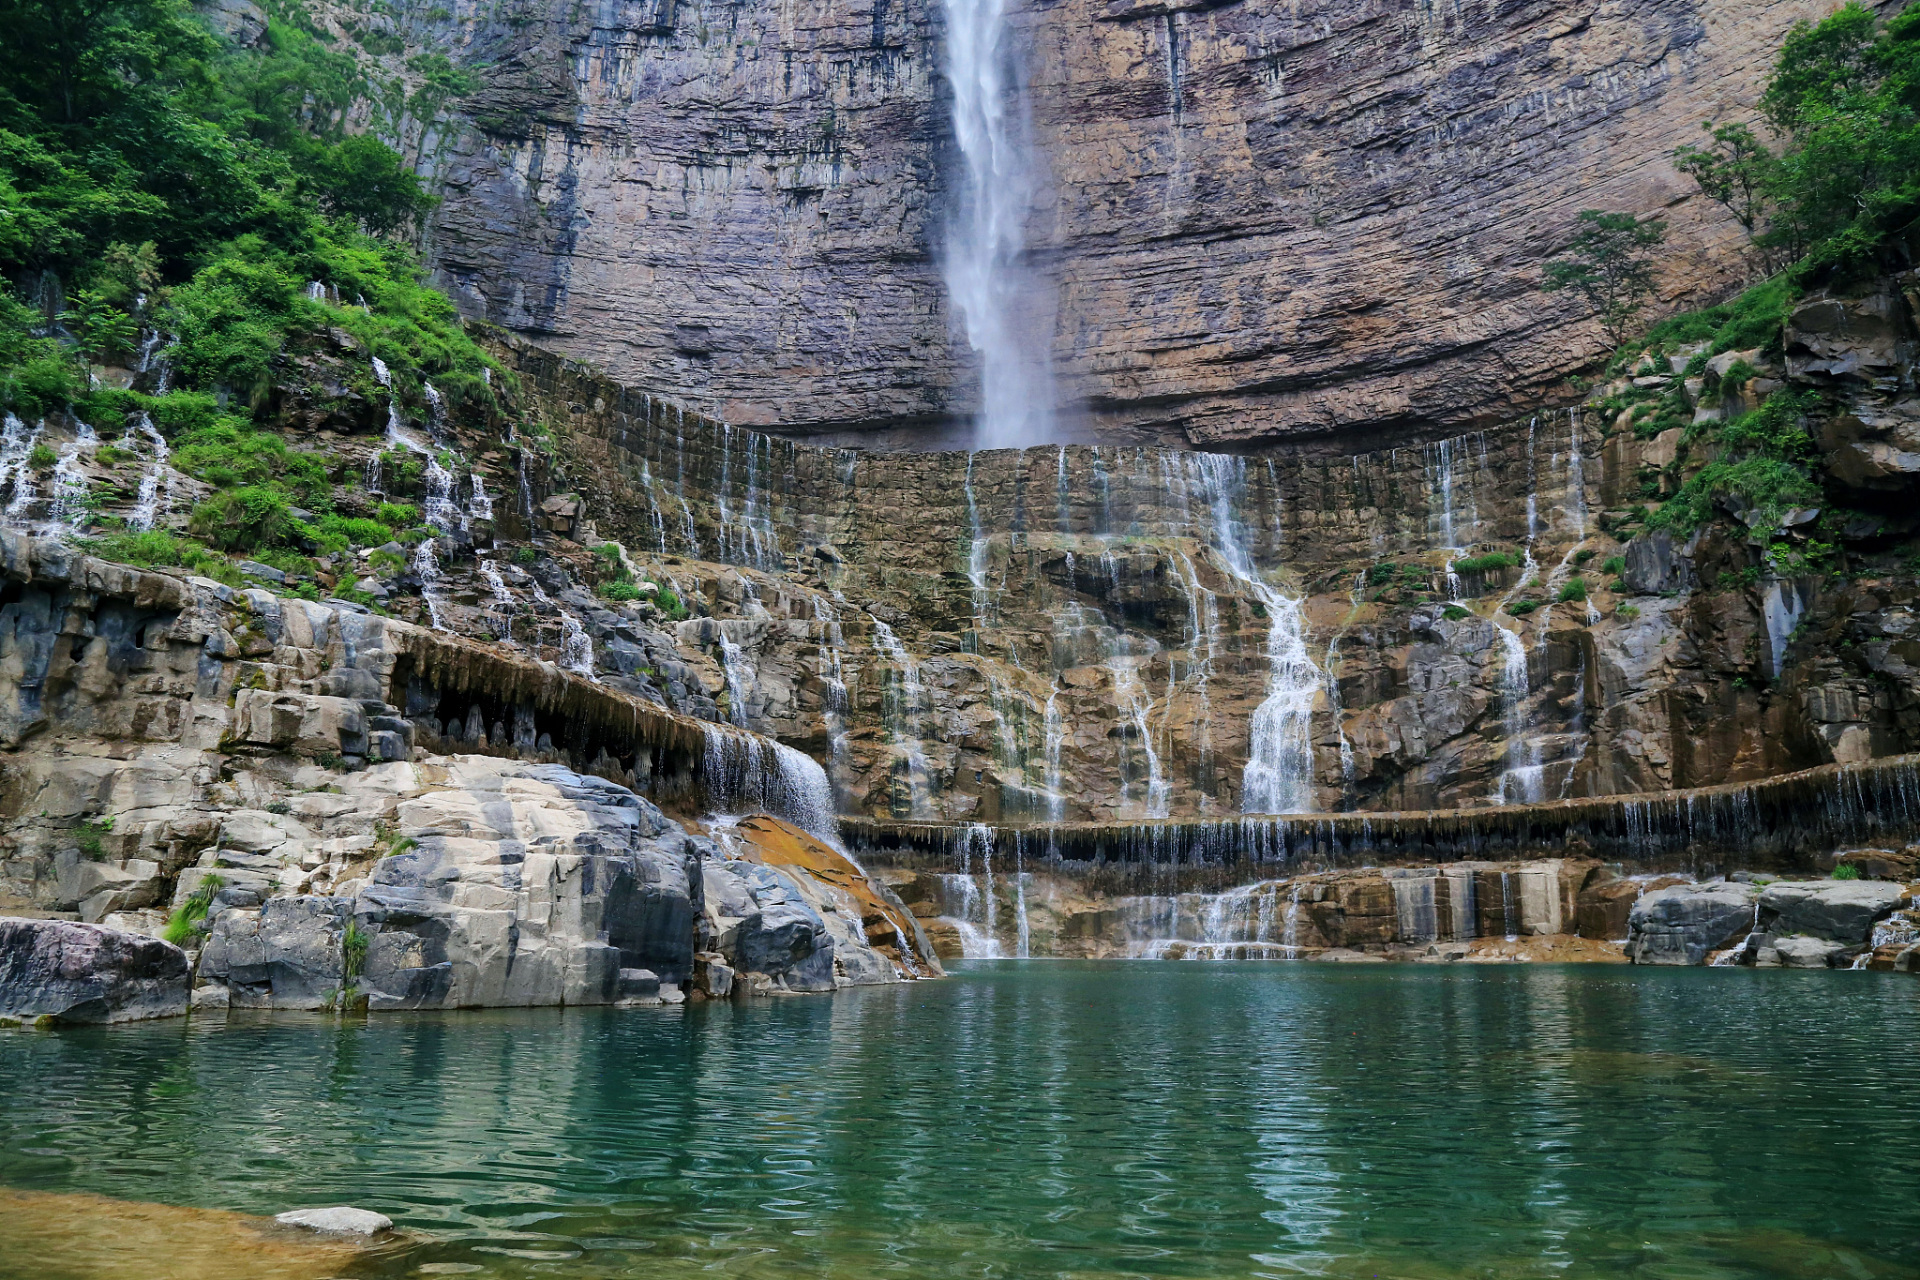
[340, 1219]
[87, 973]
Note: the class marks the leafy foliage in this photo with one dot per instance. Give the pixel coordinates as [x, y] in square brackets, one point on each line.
[1609, 265]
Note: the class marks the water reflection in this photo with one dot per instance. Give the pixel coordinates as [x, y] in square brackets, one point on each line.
[1022, 1120]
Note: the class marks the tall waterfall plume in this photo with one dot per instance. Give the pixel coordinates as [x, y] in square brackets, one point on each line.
[995, 296]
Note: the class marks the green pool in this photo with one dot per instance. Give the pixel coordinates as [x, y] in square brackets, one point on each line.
[1041, 1119]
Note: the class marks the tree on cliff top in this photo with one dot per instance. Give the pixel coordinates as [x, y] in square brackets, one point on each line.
[1609, 265]
[1844, 104]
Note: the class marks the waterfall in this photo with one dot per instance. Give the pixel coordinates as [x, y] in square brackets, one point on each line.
[1279, 773]
[381, 374]
[976, 552]
[901, 703]
[69, 509]
[738, 671]
[502, 598]
[479, 505]
[984, 264]
[742, 772]
[149, 506]
[1520, 783]
[15, 444]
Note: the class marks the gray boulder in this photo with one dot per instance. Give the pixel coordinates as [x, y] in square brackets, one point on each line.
[1681, 924]
[1802, 952]
[286, 955]
[1839, 910]
[770, 934]
[339, 1220]
[87, 973]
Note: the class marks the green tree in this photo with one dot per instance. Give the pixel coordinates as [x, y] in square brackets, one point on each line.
[1608, 264]
[1739, 172]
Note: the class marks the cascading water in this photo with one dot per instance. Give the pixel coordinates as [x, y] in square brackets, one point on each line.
[503, 602]
[576, 646]
[902, 702]
[738, 672]
[986, 275]
[69, 507]
[743, 772]
[16, 442]
[156, 484]
[1279, 772]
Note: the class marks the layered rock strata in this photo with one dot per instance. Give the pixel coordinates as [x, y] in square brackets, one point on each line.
[745, 205]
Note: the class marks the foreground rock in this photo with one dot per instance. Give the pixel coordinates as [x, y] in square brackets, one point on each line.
[1682, 924]
[339, 1220]
[70, 972]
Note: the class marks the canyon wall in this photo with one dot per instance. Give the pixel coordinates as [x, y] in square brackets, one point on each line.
[1261, 222]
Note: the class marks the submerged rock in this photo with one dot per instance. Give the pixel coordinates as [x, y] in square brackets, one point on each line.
[87, 973]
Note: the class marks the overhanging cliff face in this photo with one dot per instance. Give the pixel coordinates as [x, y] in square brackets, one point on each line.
[1262, 220]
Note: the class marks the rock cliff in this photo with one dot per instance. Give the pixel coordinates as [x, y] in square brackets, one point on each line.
[1261, 223]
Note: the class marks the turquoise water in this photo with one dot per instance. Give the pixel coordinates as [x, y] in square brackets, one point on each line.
[1046, 1119]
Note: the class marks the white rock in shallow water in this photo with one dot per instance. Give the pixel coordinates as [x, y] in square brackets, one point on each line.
[341, 1218]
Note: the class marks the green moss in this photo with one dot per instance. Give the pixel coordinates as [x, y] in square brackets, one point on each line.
[91, 837]
[1453, 613]
[1574, 589]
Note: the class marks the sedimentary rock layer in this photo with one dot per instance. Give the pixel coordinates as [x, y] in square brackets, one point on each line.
[1259, 222]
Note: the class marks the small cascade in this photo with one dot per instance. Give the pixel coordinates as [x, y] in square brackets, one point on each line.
[1576, 479]
[16, 442]
[1278, 777]
[1279, 774]
[1054, 735]
[902, 700]
[738, 673]
[1506, 906]
[526, 486]
[436, 409]
[972, 896]
[316, 292]
[1520, 783]
[1415, 906]
[1132, 701]
[381, 373]
[1734, 955]
[976, 553]
[68, 511]
[153, 501]
[426, 567]
[1782, 606]
[438, 509]
[503, 601]
[749, 536]
[479, 505]
[835, 702]
[576, 646]
[744, 773]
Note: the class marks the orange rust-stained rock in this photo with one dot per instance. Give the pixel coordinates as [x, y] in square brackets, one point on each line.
[771, 842]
